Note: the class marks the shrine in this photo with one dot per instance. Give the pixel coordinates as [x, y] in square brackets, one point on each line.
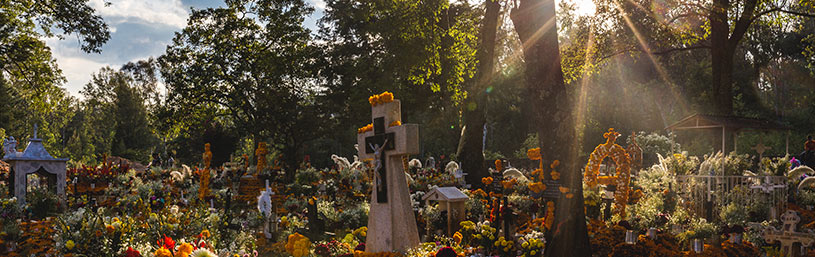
[35, 159]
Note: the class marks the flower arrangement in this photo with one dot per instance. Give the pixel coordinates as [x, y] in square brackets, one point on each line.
[298, 245]
[383, 98]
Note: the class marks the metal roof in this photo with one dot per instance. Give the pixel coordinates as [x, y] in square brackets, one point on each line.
[710, 121]
[451, 194]
[34, 151]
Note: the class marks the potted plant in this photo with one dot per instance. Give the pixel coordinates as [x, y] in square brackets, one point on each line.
[700, 229]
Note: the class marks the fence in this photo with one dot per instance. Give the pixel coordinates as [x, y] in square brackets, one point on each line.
[707, 195]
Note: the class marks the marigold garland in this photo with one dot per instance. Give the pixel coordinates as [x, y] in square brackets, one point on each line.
[621, 159]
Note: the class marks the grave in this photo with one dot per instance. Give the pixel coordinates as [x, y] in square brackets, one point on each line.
[452, 200]
[789, 238]
[391, 224]
[34, 160]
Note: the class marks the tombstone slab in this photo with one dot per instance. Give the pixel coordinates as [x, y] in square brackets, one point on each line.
[391, 224]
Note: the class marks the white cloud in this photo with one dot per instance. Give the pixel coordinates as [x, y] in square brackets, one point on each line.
[319, 4]
[78, 72]
[169, 12]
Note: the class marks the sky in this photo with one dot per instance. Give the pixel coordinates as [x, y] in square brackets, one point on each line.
[140, 29]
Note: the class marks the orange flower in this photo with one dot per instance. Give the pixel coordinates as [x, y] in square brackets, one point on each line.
[109, 228]
[554, 164]
[373, 100]
[486, 180]
[205, 233]
[508, 184]
[184, 250]
[534, 153]
[564, 189]
[457, 237]
[386, 97]
[555, 175]
[163, 252]
[395, 123]
[98, 233]
[537, 187]
[498, 165]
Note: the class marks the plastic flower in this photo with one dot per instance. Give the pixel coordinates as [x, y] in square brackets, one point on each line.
[70, 244]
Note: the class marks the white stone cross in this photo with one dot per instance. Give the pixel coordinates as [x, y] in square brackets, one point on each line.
[391, 224]
[788, 236]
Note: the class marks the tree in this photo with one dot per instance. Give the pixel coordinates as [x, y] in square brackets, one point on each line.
[471, 145]
[251, 60]
[423, 52]
[535, 23]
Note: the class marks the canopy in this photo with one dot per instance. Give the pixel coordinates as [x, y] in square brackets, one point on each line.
[727, 123]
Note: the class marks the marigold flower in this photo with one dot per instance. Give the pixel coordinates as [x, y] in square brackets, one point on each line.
[163, 252]
[534, 153]
[486, 180]
[70, 244]
[555, 175]
[206, 233]
[498, 165]
[184, 250]
[109, 228]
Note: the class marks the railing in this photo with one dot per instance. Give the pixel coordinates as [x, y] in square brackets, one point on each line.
[707, 195]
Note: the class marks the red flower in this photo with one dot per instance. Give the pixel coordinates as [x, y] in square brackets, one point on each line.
[132, 253]
[202, 244]
[167, 243]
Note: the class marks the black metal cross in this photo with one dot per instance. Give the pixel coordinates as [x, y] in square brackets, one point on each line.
[378, 139]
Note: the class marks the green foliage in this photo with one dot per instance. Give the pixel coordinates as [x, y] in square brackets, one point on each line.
[734, 214]
[531, 141]
[698, 228]
[733, 164]
[42, 203]
[653, 144]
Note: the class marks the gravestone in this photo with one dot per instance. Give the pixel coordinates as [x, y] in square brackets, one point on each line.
[35, 160]
[453, 201]
[391, 224]
[789, 238]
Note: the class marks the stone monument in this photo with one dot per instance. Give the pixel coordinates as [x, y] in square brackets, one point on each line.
[34, 160]
[391, 224]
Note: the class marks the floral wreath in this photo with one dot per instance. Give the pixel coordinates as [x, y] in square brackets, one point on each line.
[620, 157]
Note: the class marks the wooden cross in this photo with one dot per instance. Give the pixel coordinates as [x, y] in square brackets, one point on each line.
[760, 149]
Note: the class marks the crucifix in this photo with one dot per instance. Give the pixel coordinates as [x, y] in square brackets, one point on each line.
[760, 149]
[378, 143]
[391, 224]
[788, 236]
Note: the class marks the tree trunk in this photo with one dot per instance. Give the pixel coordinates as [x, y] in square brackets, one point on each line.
[470, 147]
[721, 59]
[536, 26]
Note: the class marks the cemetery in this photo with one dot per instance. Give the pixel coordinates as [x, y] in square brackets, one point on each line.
[405, 128]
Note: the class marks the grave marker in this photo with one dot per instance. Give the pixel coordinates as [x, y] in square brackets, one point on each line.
[391, 224]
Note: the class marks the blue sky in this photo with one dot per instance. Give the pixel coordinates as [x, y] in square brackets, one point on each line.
[139, 29]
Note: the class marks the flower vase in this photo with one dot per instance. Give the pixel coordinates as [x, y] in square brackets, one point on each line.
[735, 238]
[715, 241]
[697, 245]
[630, 237]
[652, 233]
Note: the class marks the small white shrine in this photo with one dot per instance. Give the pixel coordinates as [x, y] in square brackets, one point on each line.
[34, 160]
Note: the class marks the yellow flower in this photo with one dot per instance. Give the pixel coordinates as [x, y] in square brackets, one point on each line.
[533, 252]
[163, 252]
[70, 244]
[110, 228]
[457, 237]
[184, 250]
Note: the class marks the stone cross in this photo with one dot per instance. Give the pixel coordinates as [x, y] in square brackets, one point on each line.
[760, 149]
[391, 224]
[788, 236]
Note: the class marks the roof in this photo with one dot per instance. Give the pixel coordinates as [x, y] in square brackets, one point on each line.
[34, 151]
[451, 194]
[710, 121]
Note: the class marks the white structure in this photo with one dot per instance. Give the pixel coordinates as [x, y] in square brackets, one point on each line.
[391, 224]
[452, 200]
[36, 160]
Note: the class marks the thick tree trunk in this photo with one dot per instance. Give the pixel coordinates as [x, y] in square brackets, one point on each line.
[535, 23]
[721, 59]
[470, 147]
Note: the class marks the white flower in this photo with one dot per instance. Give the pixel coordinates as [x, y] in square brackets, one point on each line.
[201, 252]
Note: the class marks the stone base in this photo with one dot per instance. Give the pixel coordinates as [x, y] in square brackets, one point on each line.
[391, 225]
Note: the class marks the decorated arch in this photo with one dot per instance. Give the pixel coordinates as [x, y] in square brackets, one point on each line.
[621, 179]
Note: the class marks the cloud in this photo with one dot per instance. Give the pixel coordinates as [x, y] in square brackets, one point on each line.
[77, 71]
[167, 12]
